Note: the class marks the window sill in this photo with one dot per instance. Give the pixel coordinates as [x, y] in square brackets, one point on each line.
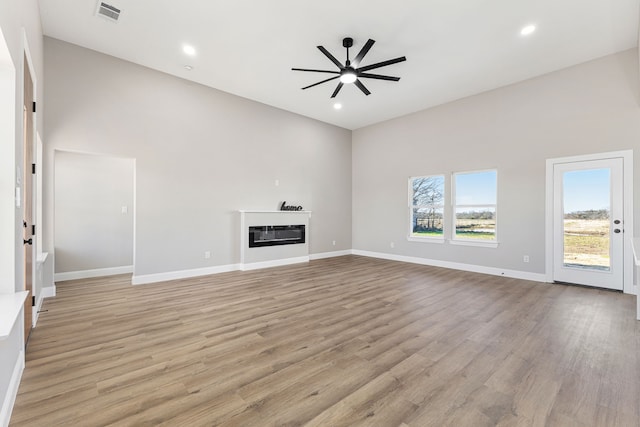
[474, 243]
[426, 239]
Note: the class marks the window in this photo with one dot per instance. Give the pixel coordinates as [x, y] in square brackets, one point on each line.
[426, 205]
[474, 206]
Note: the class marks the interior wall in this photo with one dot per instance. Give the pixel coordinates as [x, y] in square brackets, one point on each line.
[201, 155]
[19, 22]
[93, 212]
[589, 108]
[7, 169]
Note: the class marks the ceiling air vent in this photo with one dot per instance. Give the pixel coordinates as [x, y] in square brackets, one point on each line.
[109, 12]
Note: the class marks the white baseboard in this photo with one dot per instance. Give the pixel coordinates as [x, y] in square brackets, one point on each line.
[98, 272]
[12, 391]
[274, 263]
[182, 274]
[48, 292]
[185, 274]
[330, 254]
[35, 312]
[524, 275]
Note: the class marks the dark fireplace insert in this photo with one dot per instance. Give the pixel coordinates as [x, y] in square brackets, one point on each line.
[272, 235]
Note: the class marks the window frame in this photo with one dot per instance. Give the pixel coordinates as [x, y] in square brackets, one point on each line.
[492, 243]
[441, 206]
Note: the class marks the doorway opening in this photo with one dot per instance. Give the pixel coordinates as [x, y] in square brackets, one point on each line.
[94, 213]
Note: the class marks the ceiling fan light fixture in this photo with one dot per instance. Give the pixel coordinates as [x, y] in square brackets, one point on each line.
[348, 76]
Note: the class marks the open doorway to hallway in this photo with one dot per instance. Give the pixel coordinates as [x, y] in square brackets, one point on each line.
[94, 215]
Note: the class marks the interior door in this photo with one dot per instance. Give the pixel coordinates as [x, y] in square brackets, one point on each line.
[588, 223]
[27, 197]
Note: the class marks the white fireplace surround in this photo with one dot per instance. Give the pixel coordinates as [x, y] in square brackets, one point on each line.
[272, 256]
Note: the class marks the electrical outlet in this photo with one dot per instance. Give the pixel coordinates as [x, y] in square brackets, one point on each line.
[525, 258]
[207, 255]
[393, 245]
[277, 182]
[334, 243]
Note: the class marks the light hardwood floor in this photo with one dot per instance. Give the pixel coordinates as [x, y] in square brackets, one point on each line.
[348, 341]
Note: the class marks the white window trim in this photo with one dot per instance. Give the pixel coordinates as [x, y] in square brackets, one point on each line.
[426, 239]
[493, 243]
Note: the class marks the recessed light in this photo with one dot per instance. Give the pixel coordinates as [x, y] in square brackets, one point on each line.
[188, 67]
[189, 50]
[337, 106]
[529, 29]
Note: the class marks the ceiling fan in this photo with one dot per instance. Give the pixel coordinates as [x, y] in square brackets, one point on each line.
[351, 72]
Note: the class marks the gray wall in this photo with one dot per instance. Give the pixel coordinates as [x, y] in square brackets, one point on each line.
[585, 109]
[201, 154]
[91, 230]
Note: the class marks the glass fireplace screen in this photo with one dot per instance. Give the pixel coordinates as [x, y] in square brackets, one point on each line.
[272, 235]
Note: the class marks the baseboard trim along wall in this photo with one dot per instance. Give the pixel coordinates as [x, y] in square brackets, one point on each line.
[330, 254]
[143, 279]
[35, 313]
[48, 292]
[12, 391]
[98, 272]
[273, 263]
[515, 274]
[185, 274]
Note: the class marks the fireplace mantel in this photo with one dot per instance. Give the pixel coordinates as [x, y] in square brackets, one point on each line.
[277, 212]
[271, 256]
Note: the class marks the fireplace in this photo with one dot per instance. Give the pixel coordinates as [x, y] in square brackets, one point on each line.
[274, 235]
[273, 238]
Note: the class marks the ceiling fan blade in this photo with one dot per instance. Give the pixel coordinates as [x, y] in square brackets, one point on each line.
[319, 83]
[362, 87]
[362, 53]
[315, 71]
[331, 57]
[378, 76]
[382, 64]
[335, 92]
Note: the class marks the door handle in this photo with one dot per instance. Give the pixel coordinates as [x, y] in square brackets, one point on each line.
[616, 222]
[617, 230]
[28, 242]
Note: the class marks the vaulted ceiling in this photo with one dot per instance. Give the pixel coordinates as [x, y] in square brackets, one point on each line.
[454, 48]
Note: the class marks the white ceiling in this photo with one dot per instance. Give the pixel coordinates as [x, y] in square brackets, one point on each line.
[454, 48]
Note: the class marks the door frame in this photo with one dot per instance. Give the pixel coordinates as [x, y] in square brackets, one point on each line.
[627, 194]
[29, 268]
[9, 254]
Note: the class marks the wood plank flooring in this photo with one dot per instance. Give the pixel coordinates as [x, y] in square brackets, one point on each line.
[348, 341]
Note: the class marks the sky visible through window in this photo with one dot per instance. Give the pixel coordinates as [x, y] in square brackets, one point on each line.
[586, 190]
[477, 188]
